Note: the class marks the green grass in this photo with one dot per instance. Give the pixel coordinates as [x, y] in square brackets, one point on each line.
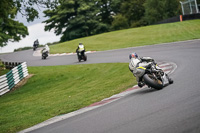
[3, 71]
[148, 35]
[56, 90]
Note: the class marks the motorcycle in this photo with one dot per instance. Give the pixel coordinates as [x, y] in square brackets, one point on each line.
[44, 54]
[153, 76]
[82, 56]
[35, 47]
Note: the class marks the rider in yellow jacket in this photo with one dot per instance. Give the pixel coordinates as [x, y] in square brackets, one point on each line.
[80, 49]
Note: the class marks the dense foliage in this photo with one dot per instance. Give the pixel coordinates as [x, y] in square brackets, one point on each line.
[157, 10]
[80, 18]
[10, 28]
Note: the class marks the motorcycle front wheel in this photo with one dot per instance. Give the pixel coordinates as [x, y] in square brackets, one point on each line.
[85, 58]
[151, 81]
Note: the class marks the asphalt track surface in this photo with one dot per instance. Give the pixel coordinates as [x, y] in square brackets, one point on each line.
[174, 109]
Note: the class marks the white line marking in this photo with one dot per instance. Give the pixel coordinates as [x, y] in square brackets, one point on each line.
[165, 64]
[165, 68]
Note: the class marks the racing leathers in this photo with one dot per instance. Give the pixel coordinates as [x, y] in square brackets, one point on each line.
[139, 62]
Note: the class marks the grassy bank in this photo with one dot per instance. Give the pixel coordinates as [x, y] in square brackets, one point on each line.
[3, 70]
[56, 90]
[148, 35]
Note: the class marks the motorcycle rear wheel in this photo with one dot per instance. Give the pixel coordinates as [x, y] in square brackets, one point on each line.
[152, 82]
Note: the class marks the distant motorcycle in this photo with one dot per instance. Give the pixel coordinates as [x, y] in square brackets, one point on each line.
[45, 53]
[153, 76]
[82, 56]
[35, 47]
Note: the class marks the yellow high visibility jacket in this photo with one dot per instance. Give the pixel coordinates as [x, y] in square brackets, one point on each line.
[81, 48]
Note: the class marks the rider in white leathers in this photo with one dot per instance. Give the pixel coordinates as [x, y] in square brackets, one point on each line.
[146, 63]
[46, 49]
[138, 62]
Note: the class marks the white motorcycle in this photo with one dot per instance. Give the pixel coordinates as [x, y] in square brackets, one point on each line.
[45, 53]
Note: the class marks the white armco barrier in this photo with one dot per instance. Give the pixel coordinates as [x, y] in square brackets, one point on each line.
[14, 76]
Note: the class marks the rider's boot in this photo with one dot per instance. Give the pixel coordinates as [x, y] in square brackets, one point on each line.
[140, 84]
[170, 81]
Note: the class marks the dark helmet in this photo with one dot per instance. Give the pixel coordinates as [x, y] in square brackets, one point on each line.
[133, 55]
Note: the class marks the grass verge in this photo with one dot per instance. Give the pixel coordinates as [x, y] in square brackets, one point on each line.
[3, 70]
[55, 90]
[148, 35]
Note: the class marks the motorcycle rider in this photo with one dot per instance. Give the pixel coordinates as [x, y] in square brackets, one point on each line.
[36, 43]
[145, 62]
[46, 49]
[80, 49]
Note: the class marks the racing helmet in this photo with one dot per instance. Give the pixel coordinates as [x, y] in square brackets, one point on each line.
[133, 55]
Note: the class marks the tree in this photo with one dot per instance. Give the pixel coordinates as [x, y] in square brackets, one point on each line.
[154, 11]
[120, 22]
[157, 10]
[171, 9]
[108, 9]
[133, 10]
[11, 29]
[78, 18]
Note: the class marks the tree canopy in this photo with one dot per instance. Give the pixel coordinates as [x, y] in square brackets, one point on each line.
[10, 28]
[157, 10]
[80, 18]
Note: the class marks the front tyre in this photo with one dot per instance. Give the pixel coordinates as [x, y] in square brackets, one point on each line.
[151, 81]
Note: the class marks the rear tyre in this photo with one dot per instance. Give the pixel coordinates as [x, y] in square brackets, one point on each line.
[152, 82]
[44, 56]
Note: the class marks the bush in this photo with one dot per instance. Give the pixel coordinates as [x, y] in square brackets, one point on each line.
[120, 22]
[3, 70]
[20, 49]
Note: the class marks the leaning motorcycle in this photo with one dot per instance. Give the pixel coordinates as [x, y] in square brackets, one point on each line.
[44, 54]
[153, 76]
[82, 56]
